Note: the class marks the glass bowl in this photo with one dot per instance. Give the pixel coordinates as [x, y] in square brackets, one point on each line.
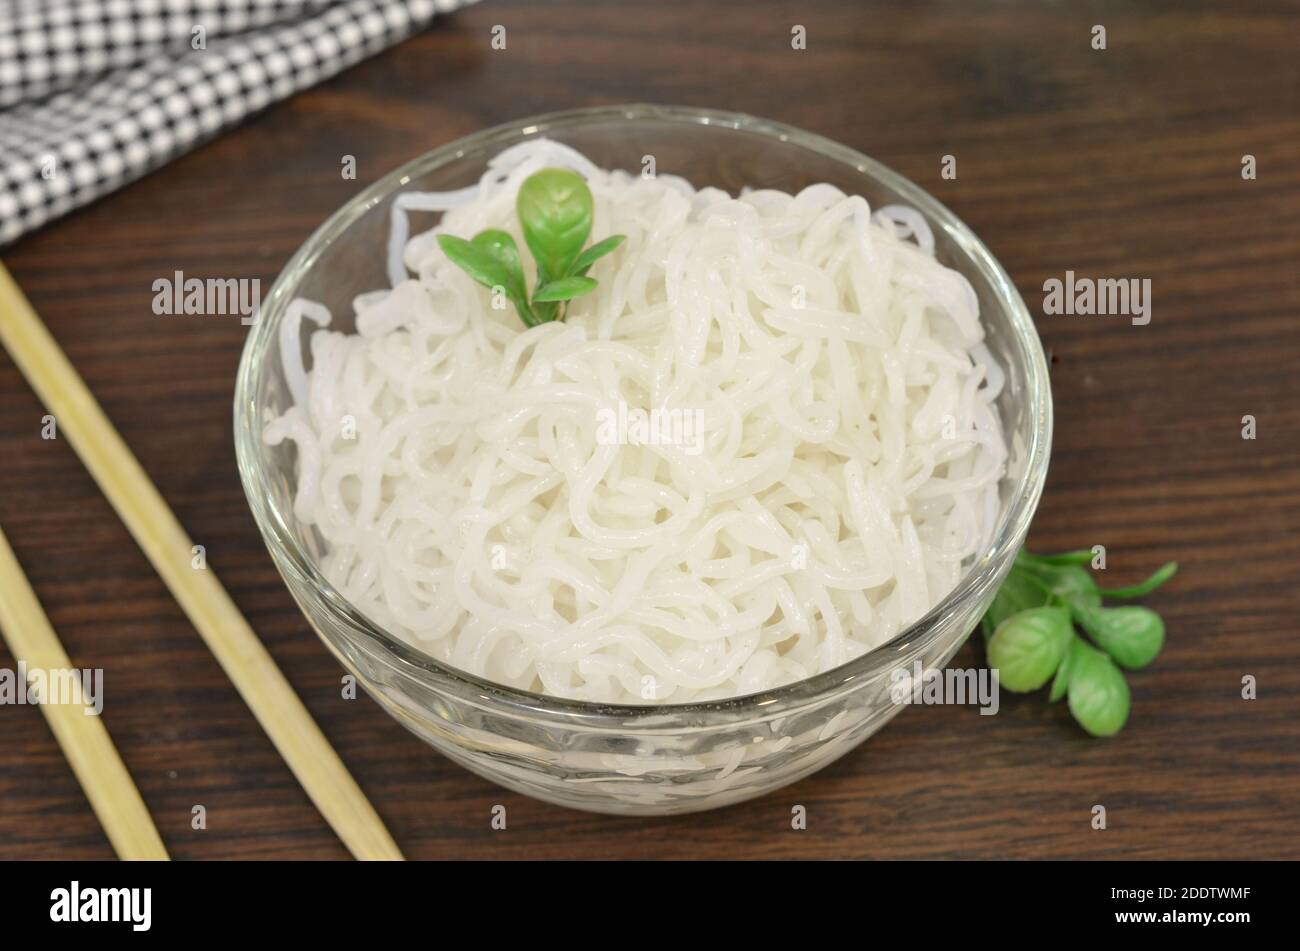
[655, 759]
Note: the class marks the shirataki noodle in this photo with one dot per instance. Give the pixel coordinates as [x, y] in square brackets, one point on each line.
[842, 468]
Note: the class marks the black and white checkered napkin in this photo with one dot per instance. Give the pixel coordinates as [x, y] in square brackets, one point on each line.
[94, 93]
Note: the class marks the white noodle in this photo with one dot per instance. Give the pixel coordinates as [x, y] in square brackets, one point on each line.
[829, 465]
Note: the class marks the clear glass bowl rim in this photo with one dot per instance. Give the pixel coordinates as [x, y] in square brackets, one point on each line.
[288, 556]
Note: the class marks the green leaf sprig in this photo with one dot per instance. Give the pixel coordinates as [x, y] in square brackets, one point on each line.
[555, 210]
[1031, 636]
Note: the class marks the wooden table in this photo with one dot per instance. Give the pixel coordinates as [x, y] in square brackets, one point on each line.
[1117, 163]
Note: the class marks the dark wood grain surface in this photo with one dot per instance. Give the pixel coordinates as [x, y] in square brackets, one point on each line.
[1124, 163]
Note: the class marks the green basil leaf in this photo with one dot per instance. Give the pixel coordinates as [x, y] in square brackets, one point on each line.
[1132, 635]
[545, 311]
[478, 263]
[1019, 592]
[1099, 695]
[565, 288]
[1073, 585]
[501, 246]
[555, 210]
[1027, 647]
[1061, 682]
[1162, 574]
[594, 253]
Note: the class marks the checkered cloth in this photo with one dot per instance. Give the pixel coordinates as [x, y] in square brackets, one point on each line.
[94, 93]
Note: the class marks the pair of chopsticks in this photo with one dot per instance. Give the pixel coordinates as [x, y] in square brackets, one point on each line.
[245, 661]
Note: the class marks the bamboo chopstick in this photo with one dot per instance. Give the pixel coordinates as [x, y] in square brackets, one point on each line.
[238, 650]
[84, 738]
